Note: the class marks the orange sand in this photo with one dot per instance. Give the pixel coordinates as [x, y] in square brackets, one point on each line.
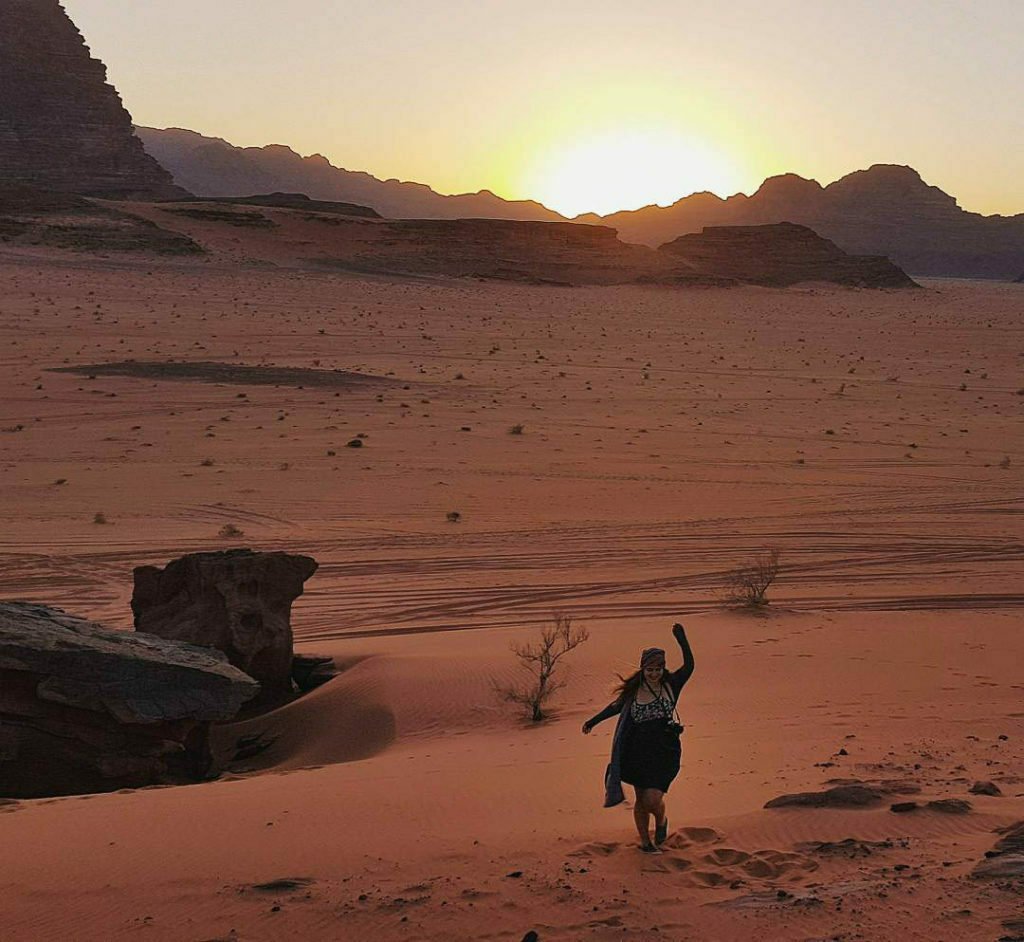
[668, 434]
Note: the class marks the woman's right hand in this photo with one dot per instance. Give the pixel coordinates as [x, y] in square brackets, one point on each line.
[587, 728]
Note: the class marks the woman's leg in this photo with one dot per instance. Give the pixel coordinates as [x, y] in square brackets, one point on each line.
[656, 804]
[642, 815]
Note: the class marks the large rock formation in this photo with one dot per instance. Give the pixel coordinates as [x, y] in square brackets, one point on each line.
[209, 166]
[86, 709]
[237, 601]
[62, 127]
[779, 255]
[884, 210]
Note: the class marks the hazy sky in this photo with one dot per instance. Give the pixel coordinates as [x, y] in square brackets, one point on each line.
[590, 104]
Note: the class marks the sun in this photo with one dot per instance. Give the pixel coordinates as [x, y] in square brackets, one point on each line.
[626, 169]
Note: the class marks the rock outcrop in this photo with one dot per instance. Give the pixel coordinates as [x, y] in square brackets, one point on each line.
[84, 709]
[884, 210]
[237, 601]
[33, 217]
[1006, 860]
[780, 254]
[62, 127]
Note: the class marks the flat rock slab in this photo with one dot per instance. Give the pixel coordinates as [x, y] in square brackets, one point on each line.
[845, 794]
[134, 678]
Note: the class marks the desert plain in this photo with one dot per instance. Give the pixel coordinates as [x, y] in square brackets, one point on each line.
[611, 453]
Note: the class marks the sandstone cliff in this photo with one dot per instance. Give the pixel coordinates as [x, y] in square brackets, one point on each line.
[62, 127]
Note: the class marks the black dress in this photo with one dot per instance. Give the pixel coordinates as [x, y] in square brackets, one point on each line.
[651, 751]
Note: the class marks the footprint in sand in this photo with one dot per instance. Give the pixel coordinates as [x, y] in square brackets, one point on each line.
[595, 849]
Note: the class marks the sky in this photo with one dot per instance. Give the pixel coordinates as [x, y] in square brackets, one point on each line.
[590, 105]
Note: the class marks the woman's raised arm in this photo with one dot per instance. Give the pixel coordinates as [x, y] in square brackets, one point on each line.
[679, 678]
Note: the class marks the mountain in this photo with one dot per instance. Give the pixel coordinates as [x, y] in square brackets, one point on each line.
[209, 166]
[884, 210]
[62, 126]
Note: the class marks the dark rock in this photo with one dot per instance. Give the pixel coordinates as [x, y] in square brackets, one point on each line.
[62, 127]
[86, 709]
[840, 796]
[902, 807]
[1006, 859]
[310, 671]
[780, 254]
[985, 788]
[950, 805]
[237, 601]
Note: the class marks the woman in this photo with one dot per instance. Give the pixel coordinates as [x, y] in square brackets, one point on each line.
[645, 748]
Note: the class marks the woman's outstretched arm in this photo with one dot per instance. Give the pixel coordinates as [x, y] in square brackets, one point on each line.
[611, 710]
[679, 678]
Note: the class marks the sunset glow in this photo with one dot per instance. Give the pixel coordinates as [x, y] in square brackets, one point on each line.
[627, 169]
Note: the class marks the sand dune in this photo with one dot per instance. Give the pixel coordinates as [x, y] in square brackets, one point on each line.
[666, 436]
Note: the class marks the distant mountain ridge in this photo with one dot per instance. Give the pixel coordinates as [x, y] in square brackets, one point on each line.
[884, 210]
[209, 166]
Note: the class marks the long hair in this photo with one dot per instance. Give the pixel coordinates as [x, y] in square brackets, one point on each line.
[626, 689]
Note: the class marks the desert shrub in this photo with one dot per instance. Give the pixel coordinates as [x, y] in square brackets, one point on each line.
[230, 532]
[516, 430]
[538, 662]
[748, 583]
[453, 516]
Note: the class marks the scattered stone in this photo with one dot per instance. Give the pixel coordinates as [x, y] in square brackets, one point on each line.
[848, 847]
[985, 788]
[86, 709]
[237, 601]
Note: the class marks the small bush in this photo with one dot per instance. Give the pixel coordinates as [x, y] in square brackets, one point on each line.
[538, 662]
[453, 516]
[748, 584]
[229, 532]
[100, 518]
[516, 430]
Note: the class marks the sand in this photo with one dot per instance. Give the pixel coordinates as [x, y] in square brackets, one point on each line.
[667, 435]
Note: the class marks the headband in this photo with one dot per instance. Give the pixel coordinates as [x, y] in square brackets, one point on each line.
[651, 654]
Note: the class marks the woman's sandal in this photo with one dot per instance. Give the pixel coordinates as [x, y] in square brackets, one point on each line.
[661, 832]
[649, 848]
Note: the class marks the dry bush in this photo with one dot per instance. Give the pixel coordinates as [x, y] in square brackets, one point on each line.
[538, 661]
[748, 584]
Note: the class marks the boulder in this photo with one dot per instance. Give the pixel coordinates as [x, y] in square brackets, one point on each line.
[985, 788]
[84, 708]
[237, 601]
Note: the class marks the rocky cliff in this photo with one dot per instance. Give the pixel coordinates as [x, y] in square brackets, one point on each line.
[885, 210]
[209, 166]
[62, 126]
